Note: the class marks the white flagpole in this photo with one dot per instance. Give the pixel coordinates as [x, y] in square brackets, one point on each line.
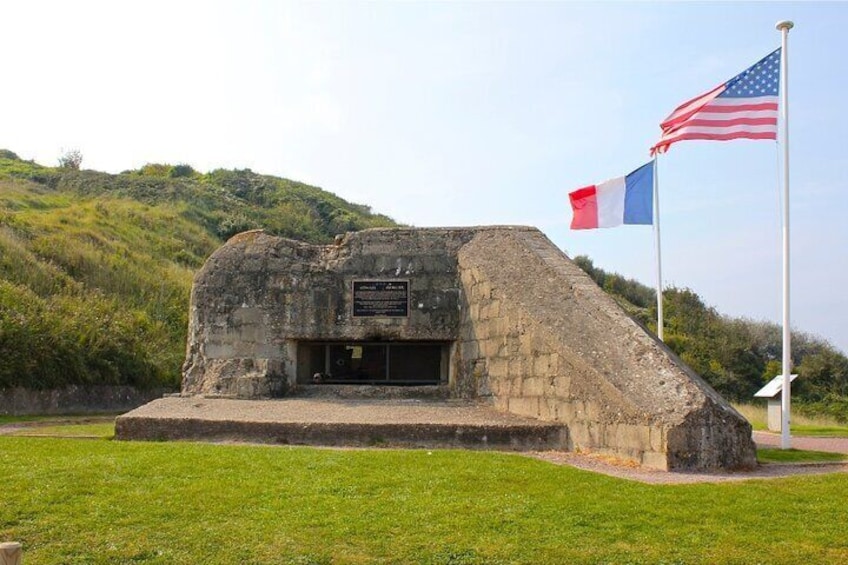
[658, 252]
[785, 437]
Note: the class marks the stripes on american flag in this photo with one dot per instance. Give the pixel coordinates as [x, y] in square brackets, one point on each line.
[745, 107]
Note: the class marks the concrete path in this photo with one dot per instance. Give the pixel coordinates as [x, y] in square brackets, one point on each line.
[829, 444]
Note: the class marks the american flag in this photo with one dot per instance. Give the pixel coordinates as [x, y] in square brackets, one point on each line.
[745, 107]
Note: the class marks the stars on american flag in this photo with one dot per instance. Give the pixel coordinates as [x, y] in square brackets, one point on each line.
[763, 79]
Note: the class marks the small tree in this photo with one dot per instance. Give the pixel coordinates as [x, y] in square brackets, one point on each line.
[182, 171]
[71, 159]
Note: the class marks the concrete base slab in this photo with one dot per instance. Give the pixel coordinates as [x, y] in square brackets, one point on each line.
[339, 422]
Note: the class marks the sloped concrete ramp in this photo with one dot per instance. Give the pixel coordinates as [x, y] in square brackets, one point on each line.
[413, 423]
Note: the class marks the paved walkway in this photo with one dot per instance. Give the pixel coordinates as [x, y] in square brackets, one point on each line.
[829, 444]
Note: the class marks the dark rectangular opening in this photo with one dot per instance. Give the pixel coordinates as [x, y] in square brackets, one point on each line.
[394, 363]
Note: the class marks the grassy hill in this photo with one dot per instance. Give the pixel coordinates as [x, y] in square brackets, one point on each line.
[96, 269]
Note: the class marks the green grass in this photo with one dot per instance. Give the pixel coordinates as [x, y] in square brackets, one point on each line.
[4, 419]
[820, 431]
[96, 269]
[775, 455]
[98, 430]
[71, 501]
[802, 425]
[70, 418]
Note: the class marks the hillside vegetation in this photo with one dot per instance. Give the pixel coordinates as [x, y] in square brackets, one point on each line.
[96, 271]
[736, 356]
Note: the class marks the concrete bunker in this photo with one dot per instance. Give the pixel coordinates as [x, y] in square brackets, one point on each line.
[494, 314]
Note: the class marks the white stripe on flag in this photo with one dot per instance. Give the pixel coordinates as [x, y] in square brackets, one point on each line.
[610, 197]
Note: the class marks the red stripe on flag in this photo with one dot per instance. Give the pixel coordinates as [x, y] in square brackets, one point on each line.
[733, 122]
[584, 203]
[691, 107]
[719, 136]
[740, 107]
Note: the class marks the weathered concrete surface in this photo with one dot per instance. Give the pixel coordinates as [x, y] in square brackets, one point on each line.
[258, 294]
[545, 341]
[529, 330]
[74, 399]
[325, 421]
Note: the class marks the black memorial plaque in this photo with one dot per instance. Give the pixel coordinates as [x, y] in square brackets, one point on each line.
[381, 299]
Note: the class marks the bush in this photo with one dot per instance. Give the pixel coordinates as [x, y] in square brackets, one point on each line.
[155, 170]
[231, 225]
[831, 406]
[182, 171]
[71, 159]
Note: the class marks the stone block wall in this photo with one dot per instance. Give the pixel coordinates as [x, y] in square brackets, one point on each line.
[75, 399]
[530, 333]
[542, 340]
[258, 295]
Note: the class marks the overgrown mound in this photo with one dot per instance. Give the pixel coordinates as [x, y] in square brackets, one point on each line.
[96, 269]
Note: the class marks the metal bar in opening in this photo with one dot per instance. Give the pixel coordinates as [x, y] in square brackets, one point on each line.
[388, 362]
[327, 359]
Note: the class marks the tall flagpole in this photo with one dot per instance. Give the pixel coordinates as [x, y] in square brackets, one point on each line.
[785, 438]
[658, 253]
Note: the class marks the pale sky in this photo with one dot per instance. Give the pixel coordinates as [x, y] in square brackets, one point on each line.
[466, 113]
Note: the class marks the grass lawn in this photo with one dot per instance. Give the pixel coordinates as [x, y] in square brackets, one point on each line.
[13, 419]
[72, 501]
[103, 430]
[775, 455]
[819, 431]
[70, 419]
[801, 425]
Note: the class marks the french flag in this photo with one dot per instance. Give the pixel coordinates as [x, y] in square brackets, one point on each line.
[625, 200]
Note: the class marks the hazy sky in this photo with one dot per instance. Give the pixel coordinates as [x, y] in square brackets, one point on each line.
[449, 113]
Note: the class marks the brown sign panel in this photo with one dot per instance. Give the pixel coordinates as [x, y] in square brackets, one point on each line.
[381, 299]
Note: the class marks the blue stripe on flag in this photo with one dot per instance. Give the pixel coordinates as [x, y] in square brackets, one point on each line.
[639, 195]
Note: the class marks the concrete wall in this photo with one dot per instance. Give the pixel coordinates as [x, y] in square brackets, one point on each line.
[543, 340]
[74, 400]
[257, 295]
[532, 334]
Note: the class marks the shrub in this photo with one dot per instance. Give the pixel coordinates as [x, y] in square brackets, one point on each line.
[182, 171]
[155, 170]
[71, 159]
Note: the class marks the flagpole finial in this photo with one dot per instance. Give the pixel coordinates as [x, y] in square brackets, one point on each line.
[785, 24]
